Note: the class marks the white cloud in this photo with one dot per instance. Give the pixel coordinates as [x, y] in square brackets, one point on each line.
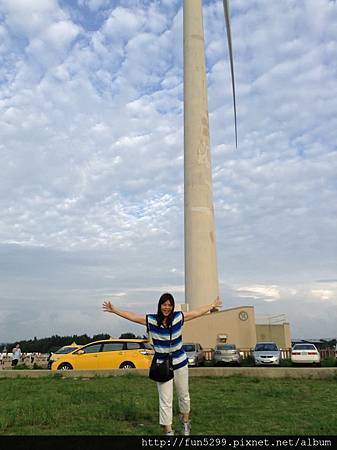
[324, 294]
[29, 17]
[266, 293]
[123, 23]
[61, 34]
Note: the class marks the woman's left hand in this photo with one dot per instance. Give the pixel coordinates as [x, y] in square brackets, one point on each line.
[217, 303]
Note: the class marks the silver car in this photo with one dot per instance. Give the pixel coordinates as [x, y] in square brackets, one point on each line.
[266, 354]
[195, 354]
[226, 353]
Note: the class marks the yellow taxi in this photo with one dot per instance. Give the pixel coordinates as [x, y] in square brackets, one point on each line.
[108, 354]
[55, 356]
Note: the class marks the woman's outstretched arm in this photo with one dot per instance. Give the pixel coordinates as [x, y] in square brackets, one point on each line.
[108, 307]
[202, 310]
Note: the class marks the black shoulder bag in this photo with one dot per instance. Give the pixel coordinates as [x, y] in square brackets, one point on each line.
[162, 371]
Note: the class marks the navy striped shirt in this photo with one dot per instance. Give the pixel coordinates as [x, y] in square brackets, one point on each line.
[161, 338]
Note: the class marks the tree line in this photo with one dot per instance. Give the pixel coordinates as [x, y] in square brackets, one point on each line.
[53, 343]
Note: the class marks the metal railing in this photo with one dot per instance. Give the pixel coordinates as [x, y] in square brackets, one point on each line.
[285, 353]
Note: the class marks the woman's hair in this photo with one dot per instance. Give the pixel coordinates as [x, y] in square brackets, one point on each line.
[163, 299]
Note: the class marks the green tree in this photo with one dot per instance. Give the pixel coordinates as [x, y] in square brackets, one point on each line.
[128, 336]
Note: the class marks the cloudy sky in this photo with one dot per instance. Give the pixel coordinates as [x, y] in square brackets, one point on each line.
[91, 161]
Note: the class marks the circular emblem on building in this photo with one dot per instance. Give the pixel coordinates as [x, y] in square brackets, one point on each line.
[243, 315]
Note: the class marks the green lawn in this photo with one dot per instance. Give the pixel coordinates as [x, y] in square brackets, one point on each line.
[129, 405]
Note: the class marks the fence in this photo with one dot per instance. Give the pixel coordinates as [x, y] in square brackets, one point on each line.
[40, 360]
[209, 352]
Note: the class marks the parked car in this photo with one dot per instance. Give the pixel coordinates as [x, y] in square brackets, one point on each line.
[108, 354]
[55, 356]
[266, 354]
[195, 354]
[305, 354]
[226, 353]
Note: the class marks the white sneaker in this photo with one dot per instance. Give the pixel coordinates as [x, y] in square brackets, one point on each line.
[169, 433]
[186, 428]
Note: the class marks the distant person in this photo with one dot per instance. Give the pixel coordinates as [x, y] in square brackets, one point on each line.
[16, 355]
[159, 326]
[3, 355]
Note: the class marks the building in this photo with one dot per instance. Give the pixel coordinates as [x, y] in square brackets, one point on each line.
[235, 326]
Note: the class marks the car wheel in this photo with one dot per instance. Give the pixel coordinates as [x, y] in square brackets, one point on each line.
[65, 366]
[127, 365]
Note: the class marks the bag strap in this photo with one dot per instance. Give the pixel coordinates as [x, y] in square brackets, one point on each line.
[170, 338]
[147, 323]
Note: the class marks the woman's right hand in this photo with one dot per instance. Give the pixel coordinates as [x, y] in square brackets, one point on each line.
[108, 307]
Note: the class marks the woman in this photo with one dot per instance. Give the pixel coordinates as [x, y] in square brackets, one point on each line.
[160, 326]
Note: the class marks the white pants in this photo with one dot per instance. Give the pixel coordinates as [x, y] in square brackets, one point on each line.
[165, 391]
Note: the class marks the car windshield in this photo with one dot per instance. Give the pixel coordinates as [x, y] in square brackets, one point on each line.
[225, 347]
[189, 347]
[65, 350]
[266, 348]
[304, 347]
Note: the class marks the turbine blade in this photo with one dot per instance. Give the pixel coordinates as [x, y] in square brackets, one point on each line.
[229, 40]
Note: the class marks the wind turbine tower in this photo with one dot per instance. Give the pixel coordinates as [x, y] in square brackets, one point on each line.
[201, 272]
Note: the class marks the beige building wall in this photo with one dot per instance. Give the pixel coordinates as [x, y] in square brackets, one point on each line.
[236, 325]
[279, 333]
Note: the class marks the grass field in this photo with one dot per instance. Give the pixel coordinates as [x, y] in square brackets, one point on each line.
[129, 405]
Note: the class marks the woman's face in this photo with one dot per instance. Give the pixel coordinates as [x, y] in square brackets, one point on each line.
[166, 308]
